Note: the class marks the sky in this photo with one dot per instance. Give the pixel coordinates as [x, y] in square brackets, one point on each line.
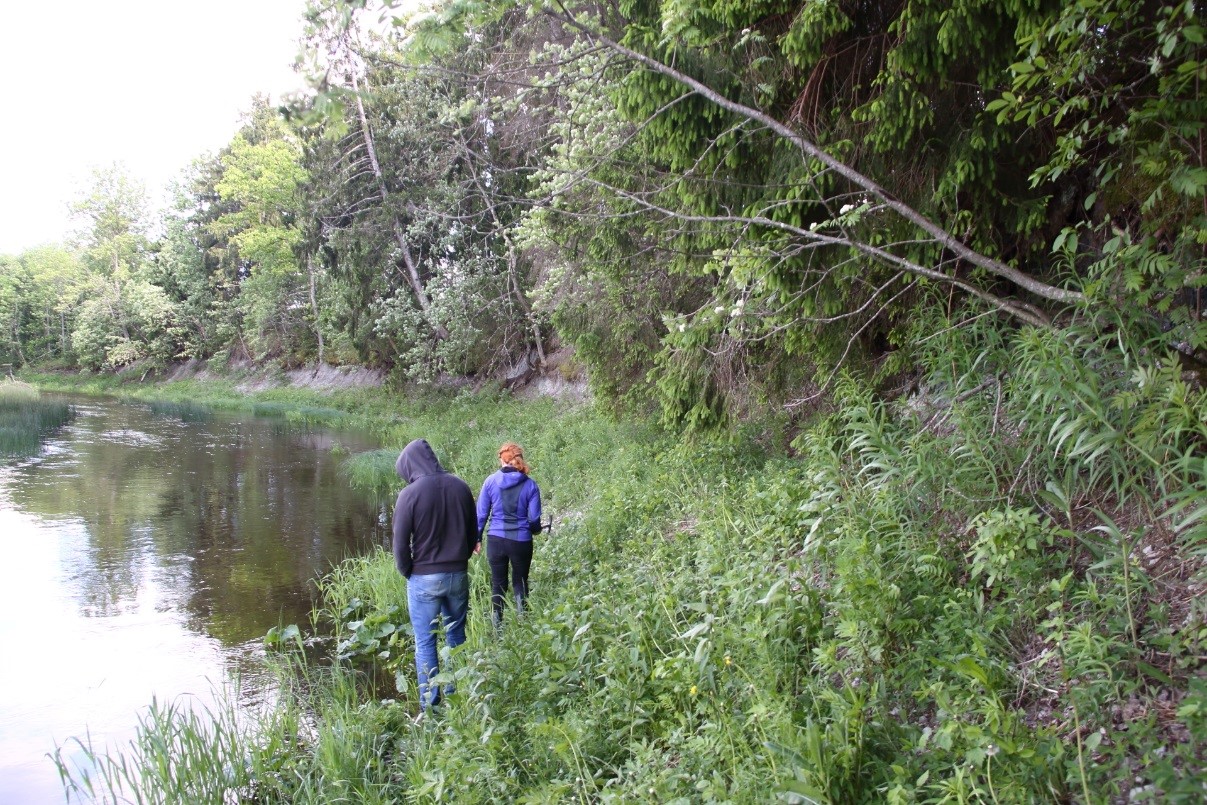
[147, 84]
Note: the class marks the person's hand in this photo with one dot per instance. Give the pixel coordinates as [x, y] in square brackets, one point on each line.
[477, 548]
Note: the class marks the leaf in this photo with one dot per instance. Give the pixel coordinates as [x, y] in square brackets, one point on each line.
[798, 791]
[698, 629]
[970, 668]
[772, 594]
[1154, 672]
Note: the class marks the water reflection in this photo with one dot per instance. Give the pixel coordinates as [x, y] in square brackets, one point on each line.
[144, 556]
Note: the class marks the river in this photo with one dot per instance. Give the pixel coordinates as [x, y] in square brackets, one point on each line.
[143, 555]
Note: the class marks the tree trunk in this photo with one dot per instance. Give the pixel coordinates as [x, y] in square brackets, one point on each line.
[412, 270]
[314, 308]
[513, 281]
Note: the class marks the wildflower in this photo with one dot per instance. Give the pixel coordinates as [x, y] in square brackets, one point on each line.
[719, 309]
[728, 660]
[846, 208]
[693, 690]
[991, 750]
[682, 327]
[737, 311]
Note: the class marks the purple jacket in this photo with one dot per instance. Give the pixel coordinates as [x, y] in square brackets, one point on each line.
[512, 502]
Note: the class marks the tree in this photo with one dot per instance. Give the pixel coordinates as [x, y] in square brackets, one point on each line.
[52, 284]
[1118, 88]
[125, 318]
[262, 182]
[417, 218]
[823, 169]
[11, 312]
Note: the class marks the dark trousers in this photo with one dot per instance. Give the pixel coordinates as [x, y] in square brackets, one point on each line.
[502, 553]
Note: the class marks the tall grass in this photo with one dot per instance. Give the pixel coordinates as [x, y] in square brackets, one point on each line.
[985, 593]
[180, 753]
[26, 419]
[317, 745]
[184, 411]
[372, 472]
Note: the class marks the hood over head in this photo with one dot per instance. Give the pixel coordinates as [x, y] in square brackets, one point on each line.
[417, 459]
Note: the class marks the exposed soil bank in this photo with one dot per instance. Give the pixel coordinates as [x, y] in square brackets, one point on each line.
[250, 378]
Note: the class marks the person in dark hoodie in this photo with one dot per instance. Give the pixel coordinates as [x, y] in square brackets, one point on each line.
[512, 502]
[434, 535]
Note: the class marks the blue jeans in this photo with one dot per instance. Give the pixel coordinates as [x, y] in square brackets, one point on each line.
[430, 597]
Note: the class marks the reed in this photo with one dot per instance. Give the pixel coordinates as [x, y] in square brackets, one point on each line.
[184, 411]
[16, 391]
[373, 473]
[26, 419]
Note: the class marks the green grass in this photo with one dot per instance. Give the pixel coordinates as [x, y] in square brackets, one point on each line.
[373, 472]
[184, 411]
[15, 391]
[937, 602]
[26, 419]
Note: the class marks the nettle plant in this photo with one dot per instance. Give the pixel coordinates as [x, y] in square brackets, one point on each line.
[1006, 547]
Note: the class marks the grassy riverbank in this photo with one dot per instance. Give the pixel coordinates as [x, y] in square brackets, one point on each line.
[991, 593]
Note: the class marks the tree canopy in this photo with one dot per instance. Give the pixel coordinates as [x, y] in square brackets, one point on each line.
[716, 205]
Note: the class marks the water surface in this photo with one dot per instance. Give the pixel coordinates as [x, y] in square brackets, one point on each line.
[143, 556]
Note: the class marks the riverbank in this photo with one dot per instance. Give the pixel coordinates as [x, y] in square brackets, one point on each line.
[906, 607]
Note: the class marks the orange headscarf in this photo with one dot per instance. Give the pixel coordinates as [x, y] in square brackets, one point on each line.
[512, 454]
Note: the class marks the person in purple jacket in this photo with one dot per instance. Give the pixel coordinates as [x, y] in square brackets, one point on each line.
[511, 501]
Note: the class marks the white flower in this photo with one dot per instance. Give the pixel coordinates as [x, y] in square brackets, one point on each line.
[682, 327]
[740, 303]
[813, 226]
[846, 208]
[737, 311]
[719, 309]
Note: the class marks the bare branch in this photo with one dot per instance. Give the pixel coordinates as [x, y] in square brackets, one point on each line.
[941, 236]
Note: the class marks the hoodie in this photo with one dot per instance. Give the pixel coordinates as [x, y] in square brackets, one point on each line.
[512, 501]
[434, 525]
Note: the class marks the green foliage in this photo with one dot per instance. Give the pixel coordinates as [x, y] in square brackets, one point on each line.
[1004, 540]
[184, 411]
[40, 292]
[124, 324]
[262, 181]
[17, 392]
[1119, 86]
[373, 472]
[938, 599]
[113, 218]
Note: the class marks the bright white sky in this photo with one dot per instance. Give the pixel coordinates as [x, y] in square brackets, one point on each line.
[148, 84]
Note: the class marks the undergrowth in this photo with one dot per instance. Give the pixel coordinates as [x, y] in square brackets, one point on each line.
[988, 592]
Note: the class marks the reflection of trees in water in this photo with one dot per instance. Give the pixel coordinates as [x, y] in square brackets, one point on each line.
[230, 522]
